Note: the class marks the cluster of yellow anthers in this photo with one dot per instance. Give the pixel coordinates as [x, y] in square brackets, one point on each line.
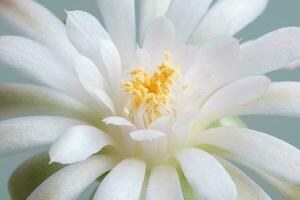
[152, 91]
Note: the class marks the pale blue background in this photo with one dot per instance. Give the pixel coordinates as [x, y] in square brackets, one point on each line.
[278, 14]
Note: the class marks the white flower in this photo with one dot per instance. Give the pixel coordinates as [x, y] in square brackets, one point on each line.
[157, 95]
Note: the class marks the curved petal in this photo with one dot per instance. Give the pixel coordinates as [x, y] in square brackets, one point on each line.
[88, 74]
[151, 144]
[230, 97]
[186, 16]
[37, 62]
[213, 58]
[20, 99]
[27, 132]
[117, 121]
[30, 174]
[146, 134]
[78, 143]
[148, 12]
[227, 17]
[206, 175]
[119, 19]
[123, 182]
[288, 191]
[159, 37]
[282, 98]
[91, 39]
[271, 52]
[247, 189]
[37, 22]
[265, 152]
[70, 181]
[164, 184]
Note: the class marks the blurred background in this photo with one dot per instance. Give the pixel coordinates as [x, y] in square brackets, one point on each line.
[278, 14]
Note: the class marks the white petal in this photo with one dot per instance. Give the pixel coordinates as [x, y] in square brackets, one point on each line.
[247, 189]
[37, 22]
[37, 62]
[27, 132]
[282, 98]
[88, 74]
[148, 12]
[236, 93]
[78, 143]
[71, 181]
[164, 184]
[112, 62]
[227, 17]
[271, 52]
[119, 19]
[159, 37]
[124, 182]
[163, 124]
[265, 152]
[92, 40]
[146, 134]
[151, 144]
[103, 98]
[20, 100]
[186, 16]
[288, 191]
[118, 121]
[213, 58]
[206, 175]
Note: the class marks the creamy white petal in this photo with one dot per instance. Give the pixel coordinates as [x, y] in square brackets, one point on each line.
[150, 144]
[78, 143]
[20, 100]
[186, 16]
[159, 37]
[282, 98]
[19, 134]
[230, 97]
[112, 62]
[163, 124]
[71, 181]
[123, 182]
[164, 184]
[227, 17]
[247, 189]
[213, 58]
[146, 134]
[271, 52]
[206, 175]
[148, 12]
[88, 74]
[265, 152]
[288, 191]
[37, 62]
[118, 121]
[119, 19]
[102, 97]
[37, 22]
[92, 40]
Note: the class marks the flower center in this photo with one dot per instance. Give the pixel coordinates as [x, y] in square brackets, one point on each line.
[152, 91]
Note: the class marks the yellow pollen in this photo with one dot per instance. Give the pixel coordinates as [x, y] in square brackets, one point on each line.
[151, 91]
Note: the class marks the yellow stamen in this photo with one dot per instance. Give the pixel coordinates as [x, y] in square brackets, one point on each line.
[152, 91]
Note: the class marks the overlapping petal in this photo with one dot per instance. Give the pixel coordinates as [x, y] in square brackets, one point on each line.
[78, 143]
[207, 177]
[124, 182]
[267, 153]
[227, 17]
[71, 181]
[28, 132]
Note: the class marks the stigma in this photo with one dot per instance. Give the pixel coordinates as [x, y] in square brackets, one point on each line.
[152, 91]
